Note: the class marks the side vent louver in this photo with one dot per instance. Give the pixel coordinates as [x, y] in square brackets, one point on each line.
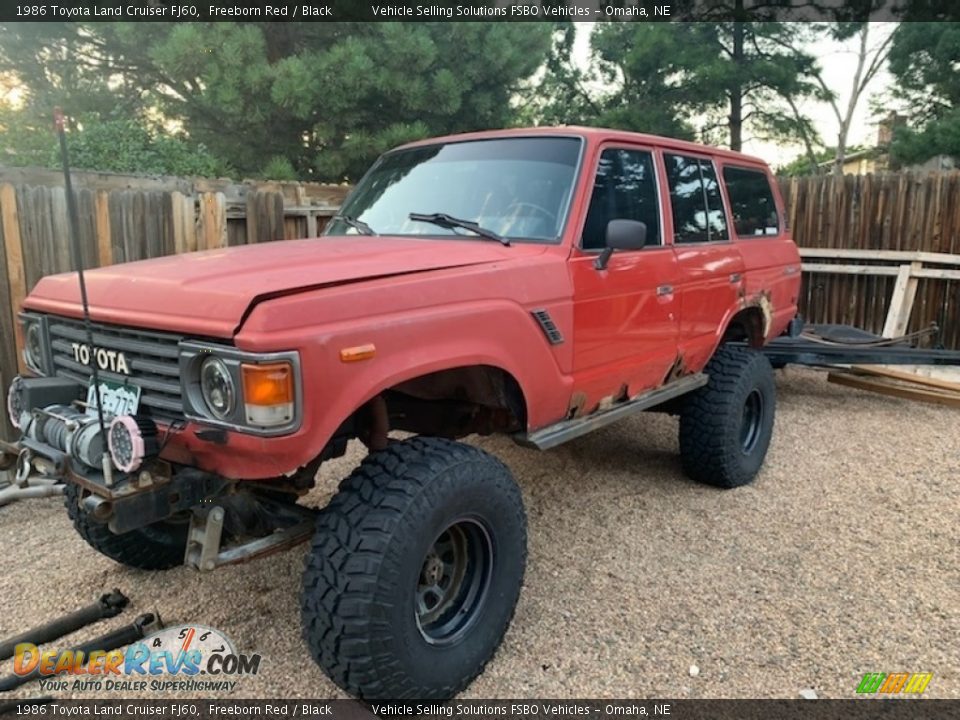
[548, 326]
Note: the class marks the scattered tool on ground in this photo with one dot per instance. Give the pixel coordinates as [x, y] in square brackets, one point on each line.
[109, 605]
[144, 625]
[32, 487]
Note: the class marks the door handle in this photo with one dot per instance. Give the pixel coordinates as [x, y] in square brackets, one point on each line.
[736, 277]
[664, 290]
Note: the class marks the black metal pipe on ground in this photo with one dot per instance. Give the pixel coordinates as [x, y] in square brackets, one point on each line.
[112, 640]
[108, 606]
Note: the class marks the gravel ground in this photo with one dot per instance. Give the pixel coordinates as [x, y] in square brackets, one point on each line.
[841, 559]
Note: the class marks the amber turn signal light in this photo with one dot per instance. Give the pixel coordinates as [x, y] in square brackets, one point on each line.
[268, 393]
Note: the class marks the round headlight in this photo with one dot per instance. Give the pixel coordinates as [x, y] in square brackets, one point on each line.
[217, 387]
[33, 347]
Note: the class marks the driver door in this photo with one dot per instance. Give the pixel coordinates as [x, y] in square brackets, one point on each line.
[625, 316]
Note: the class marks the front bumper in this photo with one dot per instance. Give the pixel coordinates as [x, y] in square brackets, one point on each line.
[60, 441]
[152, 494]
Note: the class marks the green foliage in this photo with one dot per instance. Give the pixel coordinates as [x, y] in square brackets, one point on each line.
[278, 168]
[940, 136]
[23, 142]
[67, 64]
[925, 60]
[121, 145]
[716, 82]
[328, 97]
[649, 62]
[560, 95]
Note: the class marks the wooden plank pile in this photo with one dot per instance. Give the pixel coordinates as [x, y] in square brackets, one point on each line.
[900, 383]
[933, 385]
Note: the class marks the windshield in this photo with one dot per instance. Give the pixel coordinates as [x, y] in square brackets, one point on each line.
[517, 188]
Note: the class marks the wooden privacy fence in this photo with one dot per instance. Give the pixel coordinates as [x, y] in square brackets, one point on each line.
[875, 242]
[869, 242]
[124, 218]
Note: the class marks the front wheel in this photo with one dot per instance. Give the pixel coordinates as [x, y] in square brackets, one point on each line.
[156, 547]
[415, 571]
[726, 426]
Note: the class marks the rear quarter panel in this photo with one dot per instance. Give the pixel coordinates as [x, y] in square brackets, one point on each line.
[771, 262]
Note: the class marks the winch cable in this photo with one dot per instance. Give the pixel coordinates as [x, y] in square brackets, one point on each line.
[74, 221]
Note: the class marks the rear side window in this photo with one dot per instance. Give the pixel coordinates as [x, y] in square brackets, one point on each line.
[624, 188]
[695, 200]
[751, 202]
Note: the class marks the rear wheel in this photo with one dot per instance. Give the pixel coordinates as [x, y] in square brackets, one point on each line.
[415, 570]
[726, 426]
[156, 547]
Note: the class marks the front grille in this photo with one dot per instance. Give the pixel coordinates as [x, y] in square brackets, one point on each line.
[152, 358]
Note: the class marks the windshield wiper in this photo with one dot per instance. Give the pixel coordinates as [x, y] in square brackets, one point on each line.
[358, 225]
[448, 221]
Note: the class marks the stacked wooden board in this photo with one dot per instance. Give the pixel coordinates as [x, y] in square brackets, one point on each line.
[933, 385]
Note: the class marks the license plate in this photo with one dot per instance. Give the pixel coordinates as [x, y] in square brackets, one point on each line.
[117, 398]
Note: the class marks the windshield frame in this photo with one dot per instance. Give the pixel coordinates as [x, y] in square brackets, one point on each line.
[565, 210]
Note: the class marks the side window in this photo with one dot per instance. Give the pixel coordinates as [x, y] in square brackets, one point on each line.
[751, 202]
[716, 217]
[625, 188]
[695, 200]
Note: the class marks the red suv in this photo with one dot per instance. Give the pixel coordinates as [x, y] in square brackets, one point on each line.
[540, 283]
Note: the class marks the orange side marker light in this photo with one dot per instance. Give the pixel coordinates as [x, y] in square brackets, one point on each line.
[358, 352]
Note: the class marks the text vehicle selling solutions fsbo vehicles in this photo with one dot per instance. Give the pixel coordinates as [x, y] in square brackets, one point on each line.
[539, 283]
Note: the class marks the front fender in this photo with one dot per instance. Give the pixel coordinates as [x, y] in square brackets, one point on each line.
[498, 333]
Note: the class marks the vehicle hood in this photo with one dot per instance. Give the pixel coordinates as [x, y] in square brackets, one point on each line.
[209, 292]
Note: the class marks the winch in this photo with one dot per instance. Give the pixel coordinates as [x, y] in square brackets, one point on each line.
[69, 430]
[47, 411]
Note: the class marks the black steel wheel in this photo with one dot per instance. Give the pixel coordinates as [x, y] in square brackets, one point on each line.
[751, 423]
[415, 571]
[454, 581]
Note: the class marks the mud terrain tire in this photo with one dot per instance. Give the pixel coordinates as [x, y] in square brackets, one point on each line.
[157, 547]
[415, 570]
[726, 426]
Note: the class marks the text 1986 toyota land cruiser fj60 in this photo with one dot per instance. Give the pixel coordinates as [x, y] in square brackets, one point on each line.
[540, 283]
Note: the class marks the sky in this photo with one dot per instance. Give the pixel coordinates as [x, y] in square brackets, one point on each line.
[838, 61]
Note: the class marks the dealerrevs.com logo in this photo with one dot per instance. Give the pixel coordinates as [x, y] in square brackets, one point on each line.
[176, 659]
[894, 683]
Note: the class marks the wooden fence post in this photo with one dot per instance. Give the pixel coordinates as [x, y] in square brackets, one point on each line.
[13, 249]
[213, 221]
[104, 241]
[184, 222]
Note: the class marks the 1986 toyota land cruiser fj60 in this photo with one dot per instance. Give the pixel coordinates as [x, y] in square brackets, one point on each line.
[540, 283]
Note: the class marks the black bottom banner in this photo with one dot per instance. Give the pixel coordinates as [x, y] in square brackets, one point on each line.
[865, 709]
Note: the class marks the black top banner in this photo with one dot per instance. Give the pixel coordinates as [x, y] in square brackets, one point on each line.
[481, 10]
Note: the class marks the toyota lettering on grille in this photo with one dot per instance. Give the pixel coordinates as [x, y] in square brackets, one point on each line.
[112, 360]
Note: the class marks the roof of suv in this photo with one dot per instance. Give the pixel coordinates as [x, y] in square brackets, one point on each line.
[596, 134]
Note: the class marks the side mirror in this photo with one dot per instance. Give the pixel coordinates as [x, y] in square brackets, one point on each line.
[622, 234]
